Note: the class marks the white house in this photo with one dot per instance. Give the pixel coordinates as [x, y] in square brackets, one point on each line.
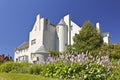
[46, 36]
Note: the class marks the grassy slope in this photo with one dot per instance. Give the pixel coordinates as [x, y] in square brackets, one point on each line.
[13, 76]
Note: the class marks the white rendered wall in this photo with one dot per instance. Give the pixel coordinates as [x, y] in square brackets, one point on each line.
[62, 36]
[19, 53]
[74, 30]
[49, 37]
[57, 38]
[107, 38]
[44, 33]
[38, 35]
[36, 26]
[42, 57]
[67, 20]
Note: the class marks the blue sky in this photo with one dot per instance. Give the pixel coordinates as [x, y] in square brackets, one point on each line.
[17, 17]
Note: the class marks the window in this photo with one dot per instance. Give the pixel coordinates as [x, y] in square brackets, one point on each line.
[16, 59]
[33, 41]
[37, 58]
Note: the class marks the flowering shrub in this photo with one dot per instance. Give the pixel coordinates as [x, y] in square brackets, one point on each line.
[115, 73]
[89, 71]
[80, 58]
[68, 66]
[80, 66]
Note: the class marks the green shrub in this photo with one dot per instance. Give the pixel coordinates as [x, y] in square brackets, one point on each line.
[14, 67]
[94, 71]
[90, 71]
[54, 53]
[115, 72]
[48, 70]
[115, 54]
[9, 66]
[35, 69]
[63, 70]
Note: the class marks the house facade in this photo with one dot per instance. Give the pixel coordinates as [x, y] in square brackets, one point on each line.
[46, 36]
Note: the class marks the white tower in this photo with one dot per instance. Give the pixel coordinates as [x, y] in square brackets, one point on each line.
[62, 35]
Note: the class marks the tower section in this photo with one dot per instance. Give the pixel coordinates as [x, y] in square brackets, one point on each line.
[62, 32]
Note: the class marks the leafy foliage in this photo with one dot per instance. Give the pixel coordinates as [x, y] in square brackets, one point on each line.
[48, 70]
[35, 69]
[115, 52]
[54, 53]
[69, 50]
[115, 74]
[14, 67]
[88, 39]
[75, 71]
[81, 66]
[112, 50]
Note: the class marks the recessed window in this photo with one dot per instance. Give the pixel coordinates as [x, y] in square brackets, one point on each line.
[33, 41]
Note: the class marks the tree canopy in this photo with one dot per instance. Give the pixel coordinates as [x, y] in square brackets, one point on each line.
[88, 38]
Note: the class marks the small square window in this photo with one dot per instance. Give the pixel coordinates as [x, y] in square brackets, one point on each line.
[33, 41]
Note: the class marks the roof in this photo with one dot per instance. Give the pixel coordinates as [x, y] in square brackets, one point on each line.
[25, 45]
[62, 22]
[52, 24]
[41, 49]
[107, 34]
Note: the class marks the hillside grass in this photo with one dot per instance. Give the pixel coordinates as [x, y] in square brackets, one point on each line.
[16, 76]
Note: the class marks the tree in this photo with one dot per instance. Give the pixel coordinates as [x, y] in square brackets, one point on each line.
[4, 58]
[88, 39]
[69, 50]
[115, 52]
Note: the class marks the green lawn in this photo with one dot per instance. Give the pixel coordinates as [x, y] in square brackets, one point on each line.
[16, 76]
